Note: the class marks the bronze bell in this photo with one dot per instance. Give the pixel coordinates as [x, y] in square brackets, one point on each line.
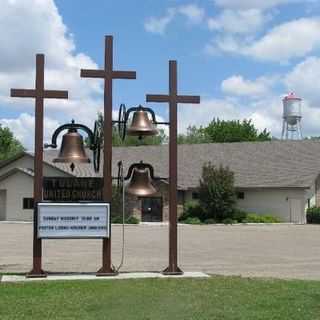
[72, 149]
[141, 125]
[140, 183]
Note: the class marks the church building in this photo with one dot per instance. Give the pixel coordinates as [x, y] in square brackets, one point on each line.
[279, 178]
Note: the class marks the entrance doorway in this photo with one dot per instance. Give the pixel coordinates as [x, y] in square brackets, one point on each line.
[151, 209]
[296, 211]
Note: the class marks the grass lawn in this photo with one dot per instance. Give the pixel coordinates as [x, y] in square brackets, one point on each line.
[170, 299]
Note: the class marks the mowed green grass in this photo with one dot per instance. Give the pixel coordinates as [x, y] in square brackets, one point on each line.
[170, 299]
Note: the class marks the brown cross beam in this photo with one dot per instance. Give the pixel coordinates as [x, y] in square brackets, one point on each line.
[108, 74]
[173, 99]
[39, 93]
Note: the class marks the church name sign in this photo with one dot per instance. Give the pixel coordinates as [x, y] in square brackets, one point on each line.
[73, 220]
[63, 189]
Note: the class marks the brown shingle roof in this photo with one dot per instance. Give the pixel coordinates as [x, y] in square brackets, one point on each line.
[278, 164]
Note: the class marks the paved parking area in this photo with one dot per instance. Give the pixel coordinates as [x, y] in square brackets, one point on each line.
[285, 251]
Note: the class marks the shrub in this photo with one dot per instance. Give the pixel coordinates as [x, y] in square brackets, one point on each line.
[129, 220]
[116, 219]
[239, 215]
[216, 192]
[132, 220]
[313, 215]
[270, 219]
[210, 221]
[255, 218]
[192, 209]
[228, 221]
[192, 220]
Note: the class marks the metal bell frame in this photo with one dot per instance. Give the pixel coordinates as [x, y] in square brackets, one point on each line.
[140, 166]
[123, 118]
[95, 138]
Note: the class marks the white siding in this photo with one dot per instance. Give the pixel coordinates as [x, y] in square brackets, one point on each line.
[27, 163]
[287, 204]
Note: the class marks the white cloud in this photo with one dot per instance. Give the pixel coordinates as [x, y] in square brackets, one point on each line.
[29, 27]
[265, 113]
[201, 115]
[254, 4]
[288, 40]
[225, 43]
[194, 13]
[238, 21]
[159, 24]
[284, 42]
[35, 26]
[304, 80]
[237, 85]
[23, 128]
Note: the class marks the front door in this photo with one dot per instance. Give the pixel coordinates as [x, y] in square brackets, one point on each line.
[296, 211]
[151, 210]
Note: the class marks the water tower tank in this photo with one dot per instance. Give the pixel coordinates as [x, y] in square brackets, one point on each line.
[291, 109]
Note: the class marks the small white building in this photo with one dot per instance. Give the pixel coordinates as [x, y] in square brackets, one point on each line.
[279, 178]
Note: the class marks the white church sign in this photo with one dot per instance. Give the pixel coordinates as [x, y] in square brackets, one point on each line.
[73, 220]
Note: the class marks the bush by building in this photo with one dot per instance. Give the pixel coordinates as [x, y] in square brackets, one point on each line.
[192, 220]
[216, 192]
[256, 218]
[313, 215]
[192, 209]
[217, 198]
[129, 220]
[194, 214]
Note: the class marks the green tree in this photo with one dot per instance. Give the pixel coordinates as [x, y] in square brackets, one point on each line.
[9, 145]
[194, 135]
[217, 192]
[234, 131]
[224, 131]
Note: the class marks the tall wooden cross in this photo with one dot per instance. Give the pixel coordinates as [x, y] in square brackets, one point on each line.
[108, 74]
[173, 99]
[39, 93]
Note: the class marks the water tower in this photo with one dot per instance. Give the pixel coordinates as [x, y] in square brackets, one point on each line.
[291, 126]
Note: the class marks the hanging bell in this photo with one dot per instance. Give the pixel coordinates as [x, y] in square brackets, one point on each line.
[140, 183]
[72, 149]
[141, 125]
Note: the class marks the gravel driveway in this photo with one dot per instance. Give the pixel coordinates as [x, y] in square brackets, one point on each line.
[285, 251]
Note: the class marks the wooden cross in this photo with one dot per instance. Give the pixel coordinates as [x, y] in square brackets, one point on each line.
[108, 74]
[39, 93]
[173, 99]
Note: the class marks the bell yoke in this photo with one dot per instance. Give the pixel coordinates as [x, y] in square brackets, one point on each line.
[72, 147]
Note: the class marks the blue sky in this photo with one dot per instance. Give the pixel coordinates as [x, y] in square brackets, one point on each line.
[241, 56]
